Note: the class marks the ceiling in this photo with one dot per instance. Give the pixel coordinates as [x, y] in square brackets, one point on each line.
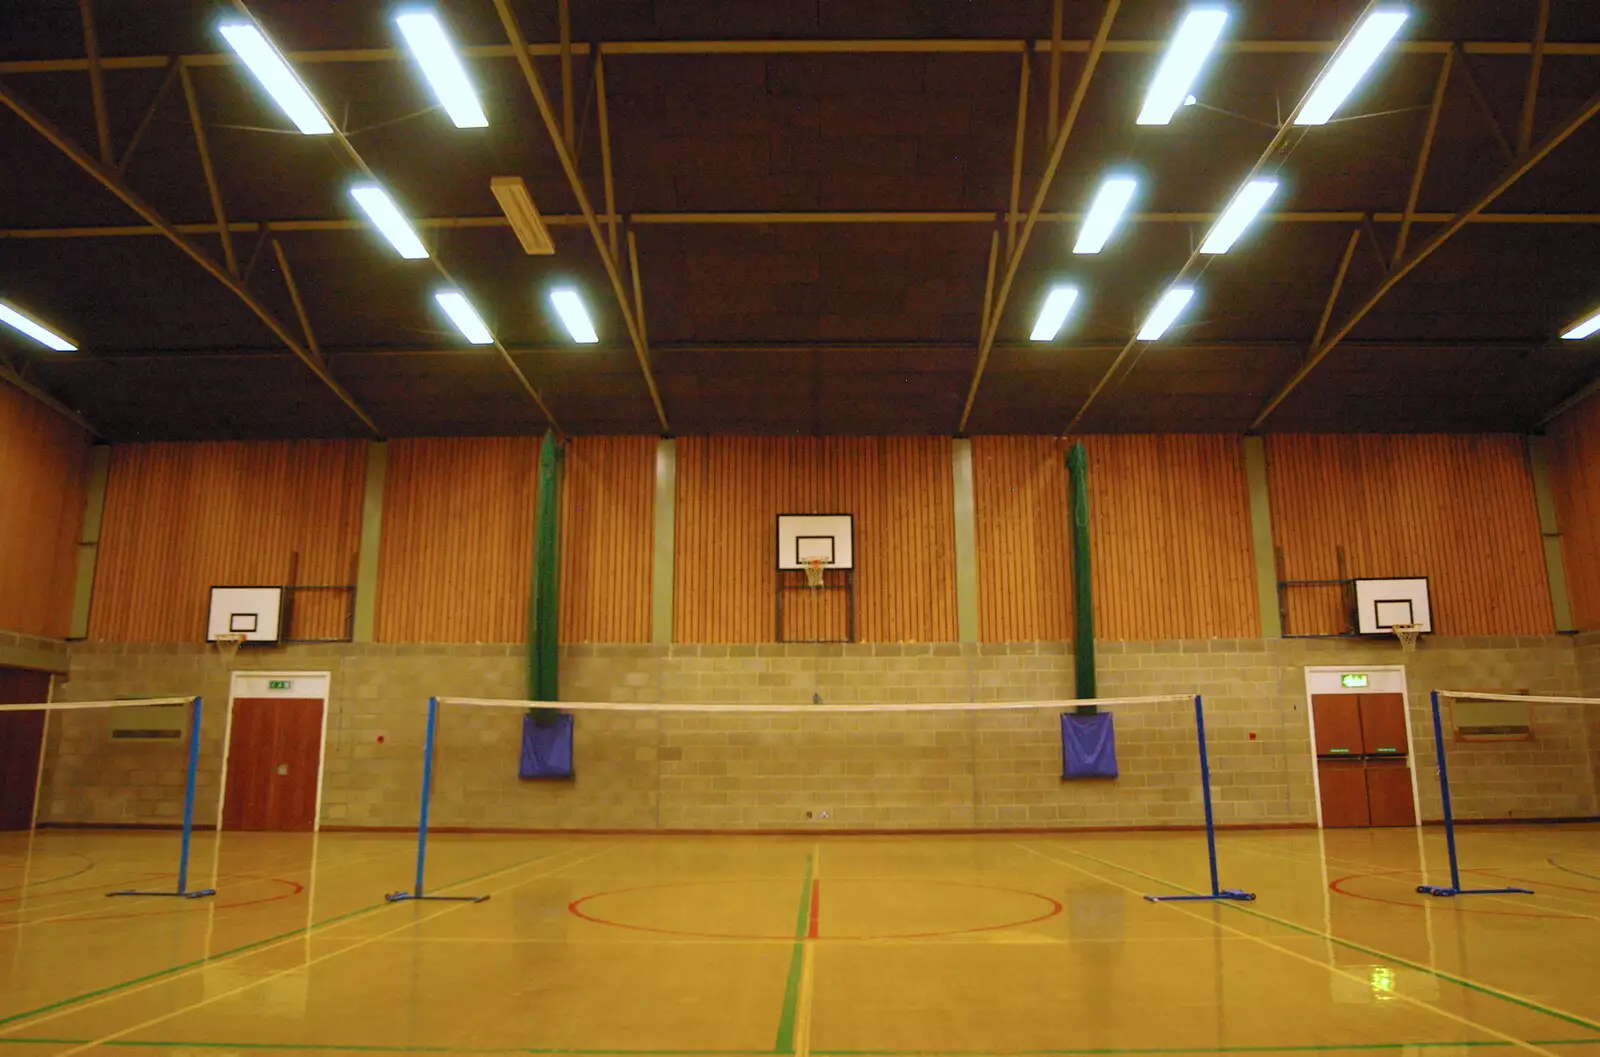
[812, 189]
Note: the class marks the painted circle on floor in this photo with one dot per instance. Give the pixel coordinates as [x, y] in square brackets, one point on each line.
[843, 908]
[1405, 880]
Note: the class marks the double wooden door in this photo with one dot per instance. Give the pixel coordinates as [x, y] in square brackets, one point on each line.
[274, 758]
[21, 739]
[1363, 760]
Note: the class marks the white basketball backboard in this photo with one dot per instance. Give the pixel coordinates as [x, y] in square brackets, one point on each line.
[830, 537]
[1381, 604]
[254, 612]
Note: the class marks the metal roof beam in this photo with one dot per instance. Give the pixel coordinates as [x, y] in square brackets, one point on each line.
[1506, 181]
[519, 48]
[1530, 94]
[97, 82]
[111, 182]
[1421, 168]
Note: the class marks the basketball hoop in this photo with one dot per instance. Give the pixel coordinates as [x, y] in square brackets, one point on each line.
[1407, 634]
[228, 645]
[814, 568]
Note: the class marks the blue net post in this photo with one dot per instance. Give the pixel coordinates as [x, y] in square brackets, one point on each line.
[188, 817]
[429, 739]
[1217, 891]
[1455, 888]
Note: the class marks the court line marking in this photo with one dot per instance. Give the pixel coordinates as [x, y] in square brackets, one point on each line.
[309, 962]
[160, 976]
[1567, 869]
[797, 958]
[1471, 985]
[85, 868]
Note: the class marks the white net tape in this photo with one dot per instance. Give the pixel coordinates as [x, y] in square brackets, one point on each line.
[948, 706]
[74, 706]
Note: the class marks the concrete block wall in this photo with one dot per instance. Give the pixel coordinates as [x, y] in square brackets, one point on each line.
[894, 770]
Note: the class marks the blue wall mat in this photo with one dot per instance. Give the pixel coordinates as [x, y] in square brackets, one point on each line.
[546, 748]
[1088, 746]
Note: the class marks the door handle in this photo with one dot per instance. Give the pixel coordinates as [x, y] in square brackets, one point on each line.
[283, 768]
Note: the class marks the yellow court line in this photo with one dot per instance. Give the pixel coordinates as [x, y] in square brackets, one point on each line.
[208, 963]
[1335, 970]
[808, 966]
[191, 1007]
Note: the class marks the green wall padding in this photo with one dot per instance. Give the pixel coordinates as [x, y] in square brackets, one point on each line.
[544, 599]
[1082, 588]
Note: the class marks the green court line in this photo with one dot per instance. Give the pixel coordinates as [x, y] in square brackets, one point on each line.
[241, 949]
[356, 1047]
[1460, 981]
[791, 987]
[1332, 1047]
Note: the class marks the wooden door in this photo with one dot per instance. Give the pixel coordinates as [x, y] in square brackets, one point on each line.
[21, 740]
[1383, 724]
[274, 753]
[1343, 787]
[1389, 793]
[1337, 719]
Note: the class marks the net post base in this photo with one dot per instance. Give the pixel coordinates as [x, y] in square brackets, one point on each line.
[401, 897]
[1446, 890]
[198, 893]
[1236, 894]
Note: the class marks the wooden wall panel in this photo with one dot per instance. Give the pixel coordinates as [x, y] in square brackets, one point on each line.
[1169, 536]
[607, 539]
[181, 518]
[730, 492]
[1575, 480]
[457, 548]
[1456, 509]
[44, 462]
[1024, 543]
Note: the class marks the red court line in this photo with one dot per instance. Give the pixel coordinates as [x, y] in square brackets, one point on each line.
[1419, 905]
[295, 888]
[816, 909]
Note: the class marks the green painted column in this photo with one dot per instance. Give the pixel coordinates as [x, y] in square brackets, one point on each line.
[1255, 476]
[664, 551]
[1555, 562]
[1082, 582]
[89, 540]
[544, 605]
[366, 596]
[966, 542]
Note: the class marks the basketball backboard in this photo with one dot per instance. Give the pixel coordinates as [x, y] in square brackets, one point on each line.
[828, 537]
[254, 612]
[1381, 604]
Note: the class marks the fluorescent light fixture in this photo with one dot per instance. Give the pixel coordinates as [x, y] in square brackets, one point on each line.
[1578, 332]
[1166, 312]
[1245, 207]
[430, 46]
[569, 306]
[1350, 64]
[1105, 212]
[512, 194]
[386, 216]
[263, 59]
[1191, 45]
[10, 316]
[1057, 306]
[464, 316]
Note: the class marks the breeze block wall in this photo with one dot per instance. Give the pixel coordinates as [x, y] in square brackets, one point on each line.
[955, 770]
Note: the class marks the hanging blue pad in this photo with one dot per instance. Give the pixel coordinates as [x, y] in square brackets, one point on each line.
[1088, 746]
[546, 748]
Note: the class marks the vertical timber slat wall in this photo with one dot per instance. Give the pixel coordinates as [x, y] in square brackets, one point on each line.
[44, 463]
[1575, 477]
[607, 526]
[730, 492]
[1456, 509]
[457, 549]
[1169, 527]
[181, 518]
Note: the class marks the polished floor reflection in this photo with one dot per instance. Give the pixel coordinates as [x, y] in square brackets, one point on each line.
[838, 946]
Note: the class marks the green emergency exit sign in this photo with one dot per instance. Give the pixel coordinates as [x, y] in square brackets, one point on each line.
[288, 684]
[1354, 679]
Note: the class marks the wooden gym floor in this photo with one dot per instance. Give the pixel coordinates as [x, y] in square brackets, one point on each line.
[866, 947]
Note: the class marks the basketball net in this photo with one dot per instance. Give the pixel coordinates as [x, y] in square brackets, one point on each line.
[814, 569]
[1407, 634]
[228, 646]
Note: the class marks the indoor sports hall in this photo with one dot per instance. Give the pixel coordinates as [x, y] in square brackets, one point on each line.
[1045, 528]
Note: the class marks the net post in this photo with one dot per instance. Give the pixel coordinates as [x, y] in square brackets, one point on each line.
[1455, 888]
[188, 816]
[1217, 891]
[429, 740]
